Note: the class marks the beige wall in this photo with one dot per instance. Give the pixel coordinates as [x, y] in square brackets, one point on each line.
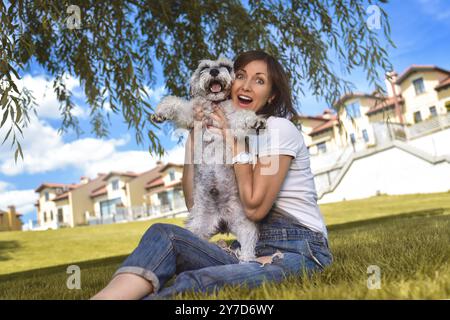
[81, 201]
[136, 188]
[307, 126]
[166, 176]
[357, 125]
[47, 206]
[10, 222]
[67, 210]
[121, 191]
[444, 100]
[97, 201]
[423, 101]
[383, 116]
[328, 137]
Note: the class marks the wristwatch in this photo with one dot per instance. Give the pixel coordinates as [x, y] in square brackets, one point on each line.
[243, 158]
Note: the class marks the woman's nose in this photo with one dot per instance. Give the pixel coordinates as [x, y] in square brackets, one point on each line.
[246, 85]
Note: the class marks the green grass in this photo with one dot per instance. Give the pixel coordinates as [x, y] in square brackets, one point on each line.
[406, 236]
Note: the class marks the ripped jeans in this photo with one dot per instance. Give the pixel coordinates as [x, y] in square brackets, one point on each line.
[167, 250]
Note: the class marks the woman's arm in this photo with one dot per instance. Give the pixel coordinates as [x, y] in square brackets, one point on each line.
[259, 186]
[188, 172]
[188, 168]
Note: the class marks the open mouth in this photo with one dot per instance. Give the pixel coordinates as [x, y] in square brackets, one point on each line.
[244, 100]
[215, 87]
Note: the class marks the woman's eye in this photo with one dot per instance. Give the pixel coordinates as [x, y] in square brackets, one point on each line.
[239, 76]
[259, 81]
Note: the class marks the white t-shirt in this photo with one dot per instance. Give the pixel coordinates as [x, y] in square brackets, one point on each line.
[297, 197]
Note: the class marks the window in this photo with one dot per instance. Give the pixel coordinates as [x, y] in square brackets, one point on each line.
[447, 106]
[51, 215]
[108, 207]
[115, 184]
[365, 135]
[60, 215]
[353, 110]
[417, 117]
[322, 147]
[45, 216]
[352, 138]
[433, 111]
[172, 174]
[46, 196]
[419, 86]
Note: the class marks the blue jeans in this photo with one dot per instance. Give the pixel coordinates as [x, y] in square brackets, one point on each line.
[167, 250]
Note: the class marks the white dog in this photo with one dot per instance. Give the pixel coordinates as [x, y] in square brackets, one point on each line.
[217, 207]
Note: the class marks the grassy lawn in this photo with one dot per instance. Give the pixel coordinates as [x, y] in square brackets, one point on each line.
[406, 236]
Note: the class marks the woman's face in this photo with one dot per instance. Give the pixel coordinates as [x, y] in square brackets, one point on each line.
[252, 87]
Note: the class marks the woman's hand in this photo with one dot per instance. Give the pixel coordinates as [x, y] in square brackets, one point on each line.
[219, 122]
[222, 127]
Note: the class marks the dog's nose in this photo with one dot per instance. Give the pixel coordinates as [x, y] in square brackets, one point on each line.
[214, 72]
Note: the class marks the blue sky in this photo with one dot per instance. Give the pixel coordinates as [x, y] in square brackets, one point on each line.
[420, 30]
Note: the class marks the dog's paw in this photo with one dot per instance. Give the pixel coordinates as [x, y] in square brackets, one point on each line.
[260, 123]
[157, 118]
[255, 122]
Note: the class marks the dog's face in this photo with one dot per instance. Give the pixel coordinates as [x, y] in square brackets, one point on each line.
[212, 79]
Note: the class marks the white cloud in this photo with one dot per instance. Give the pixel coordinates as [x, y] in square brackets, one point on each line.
[4, 186]
[23, 200]
[156, 94]
[47, 105]
[45, 151]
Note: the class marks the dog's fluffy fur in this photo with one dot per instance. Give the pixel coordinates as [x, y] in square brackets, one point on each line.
[217, 207]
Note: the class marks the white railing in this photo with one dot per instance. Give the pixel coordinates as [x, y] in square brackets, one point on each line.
[386, 132]
[136, 213]
[430, 125]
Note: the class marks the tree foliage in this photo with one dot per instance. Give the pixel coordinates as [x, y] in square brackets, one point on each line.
[115, 48]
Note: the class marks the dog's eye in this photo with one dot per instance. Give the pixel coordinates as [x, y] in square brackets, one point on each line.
[226, 66]
[204, 68]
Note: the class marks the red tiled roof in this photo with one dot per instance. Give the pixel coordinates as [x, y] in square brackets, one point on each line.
[123, 174]
[324, 127]
[172, 184]
[413, 68]
[443, 84]
[56, 185]
[386, 104]
[62, 196]
[99, 191]
[154, 183]
[301, 116]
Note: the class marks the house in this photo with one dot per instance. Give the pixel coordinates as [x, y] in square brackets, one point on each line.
[425, 90]
[47, 217]
[10, 220]
[419, 93]
[110, 195]
[66, 205]
[164, 193]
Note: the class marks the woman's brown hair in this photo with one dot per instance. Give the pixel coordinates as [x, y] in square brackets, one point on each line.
[281, 105]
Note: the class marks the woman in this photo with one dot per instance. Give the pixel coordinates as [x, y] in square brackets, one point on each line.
[292, 233]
